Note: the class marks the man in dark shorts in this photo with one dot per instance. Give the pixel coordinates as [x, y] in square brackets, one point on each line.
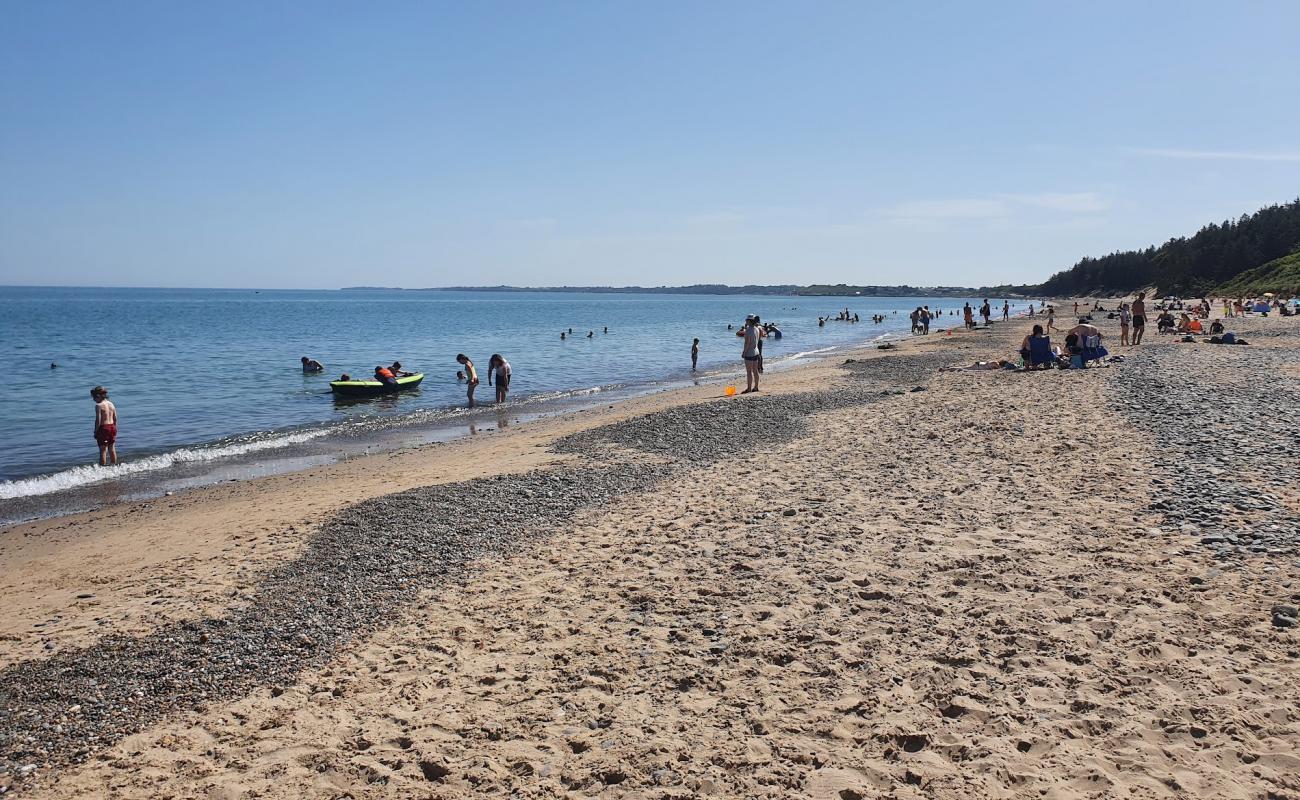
[1139, 317]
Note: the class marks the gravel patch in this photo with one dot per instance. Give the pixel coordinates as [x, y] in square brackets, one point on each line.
[1226, 423]
[363, 565]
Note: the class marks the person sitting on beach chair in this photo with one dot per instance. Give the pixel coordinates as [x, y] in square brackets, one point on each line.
[1036, 350]
[1084, 341]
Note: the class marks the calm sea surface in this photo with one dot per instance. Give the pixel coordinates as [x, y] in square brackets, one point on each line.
[200, 376]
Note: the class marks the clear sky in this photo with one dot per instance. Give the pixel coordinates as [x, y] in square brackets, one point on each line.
[290, 144]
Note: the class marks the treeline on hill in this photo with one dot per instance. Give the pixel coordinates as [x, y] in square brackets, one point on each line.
[1196, 265]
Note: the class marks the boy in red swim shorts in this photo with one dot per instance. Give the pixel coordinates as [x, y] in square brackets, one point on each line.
[105, 426]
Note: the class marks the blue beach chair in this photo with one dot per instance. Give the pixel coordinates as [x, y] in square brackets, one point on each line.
[1092, 349]
[1040, 352]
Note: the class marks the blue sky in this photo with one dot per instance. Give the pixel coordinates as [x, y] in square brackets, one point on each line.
[278, 144]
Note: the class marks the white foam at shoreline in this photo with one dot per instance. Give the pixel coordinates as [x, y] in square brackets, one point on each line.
[82, 476]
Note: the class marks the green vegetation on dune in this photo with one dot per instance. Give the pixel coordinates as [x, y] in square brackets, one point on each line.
[1215, 255]
[1281, 276]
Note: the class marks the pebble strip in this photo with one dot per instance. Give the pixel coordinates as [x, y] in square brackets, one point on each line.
[1226, 421]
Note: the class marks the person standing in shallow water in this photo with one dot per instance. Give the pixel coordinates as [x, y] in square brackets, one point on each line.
[471, 377]
[499, 369]
[105, 426]
[695, 354]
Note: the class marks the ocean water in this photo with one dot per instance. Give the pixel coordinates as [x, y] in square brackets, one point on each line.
[201, 377]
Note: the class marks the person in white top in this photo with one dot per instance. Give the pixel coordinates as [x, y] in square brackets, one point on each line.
[752, 354]
[499, 371]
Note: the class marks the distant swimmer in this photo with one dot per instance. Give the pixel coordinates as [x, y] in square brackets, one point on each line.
[471, 377]
[310, 365]
[591, 334]
[460, 376]
[561, 336]
[385, 376]
[105, 426]
[53, 365]
[606, 329]
[695, 353]
[396, 369]
[499, 369]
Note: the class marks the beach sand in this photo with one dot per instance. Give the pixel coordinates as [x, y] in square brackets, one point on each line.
[977, 589]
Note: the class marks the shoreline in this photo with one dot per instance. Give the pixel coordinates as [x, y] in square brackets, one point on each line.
[150, 475]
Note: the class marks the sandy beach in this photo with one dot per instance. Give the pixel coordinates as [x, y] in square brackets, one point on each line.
[872, 579]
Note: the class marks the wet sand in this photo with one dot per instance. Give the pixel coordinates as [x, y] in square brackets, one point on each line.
[973, 590]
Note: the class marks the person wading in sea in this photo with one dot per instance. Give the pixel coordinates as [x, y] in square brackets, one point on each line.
[105, 426]
[471, 376]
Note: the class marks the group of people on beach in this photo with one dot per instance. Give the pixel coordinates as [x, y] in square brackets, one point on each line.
[499, 373]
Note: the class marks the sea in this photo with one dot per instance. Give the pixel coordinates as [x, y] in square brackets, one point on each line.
[209, 387]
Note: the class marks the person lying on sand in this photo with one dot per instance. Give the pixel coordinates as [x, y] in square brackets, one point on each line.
[982, 366]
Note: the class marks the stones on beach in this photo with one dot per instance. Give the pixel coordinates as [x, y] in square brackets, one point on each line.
[1228, 439]
[1284, 616]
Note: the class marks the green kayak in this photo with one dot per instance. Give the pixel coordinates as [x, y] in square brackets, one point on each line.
[364, 388]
